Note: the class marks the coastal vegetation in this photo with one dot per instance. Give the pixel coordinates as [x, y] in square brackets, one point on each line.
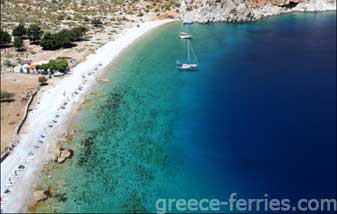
[19, 31]
[50, 41]
[34, 33]
[48, 25]
[43, 80]
[59, 65]
[96, 23]
[74, 12]
[63, 38]
[5, 38]
[6, 96]
[18, 43]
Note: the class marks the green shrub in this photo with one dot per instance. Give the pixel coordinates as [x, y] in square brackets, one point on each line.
[58, 65]
[63, 38]
[34, 33]
[18, 43]
[5, 38]
[48, 42]
[6, 95]
[43, 80]
[42, 67]
[96, 22]
[19, 31]
[86, 19]
[55, 65]
[77, 33]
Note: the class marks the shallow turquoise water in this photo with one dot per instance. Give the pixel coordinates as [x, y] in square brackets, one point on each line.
[251, 120]
[130, 124]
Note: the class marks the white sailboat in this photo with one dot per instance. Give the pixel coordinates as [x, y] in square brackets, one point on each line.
[185, 34]
[189, 65]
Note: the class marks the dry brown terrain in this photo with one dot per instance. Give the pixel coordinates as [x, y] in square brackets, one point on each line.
[22, 85]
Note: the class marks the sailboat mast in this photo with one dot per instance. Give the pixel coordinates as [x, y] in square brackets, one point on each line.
[188, 51]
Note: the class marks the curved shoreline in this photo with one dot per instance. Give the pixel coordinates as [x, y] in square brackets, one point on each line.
[54, 106]
[44, 114]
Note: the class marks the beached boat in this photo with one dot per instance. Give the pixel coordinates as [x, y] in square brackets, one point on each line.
[189, 65]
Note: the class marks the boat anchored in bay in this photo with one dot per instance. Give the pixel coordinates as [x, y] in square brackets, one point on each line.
[184, 34]
[190, 64]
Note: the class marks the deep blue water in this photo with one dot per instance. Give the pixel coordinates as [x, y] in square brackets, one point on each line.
[259, 116]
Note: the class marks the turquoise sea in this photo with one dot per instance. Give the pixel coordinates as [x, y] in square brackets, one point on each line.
[259, 116]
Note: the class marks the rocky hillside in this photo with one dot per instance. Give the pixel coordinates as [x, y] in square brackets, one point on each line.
[247, 10]
[58, 13]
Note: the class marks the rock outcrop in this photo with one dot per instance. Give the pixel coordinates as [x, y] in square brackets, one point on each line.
[204, 11]
[40, 195]
[63, 155]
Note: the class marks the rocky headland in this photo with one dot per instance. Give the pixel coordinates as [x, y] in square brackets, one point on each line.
[204, 11]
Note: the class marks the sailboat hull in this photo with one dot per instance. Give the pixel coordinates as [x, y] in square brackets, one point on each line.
[187, 67]
[185, 36]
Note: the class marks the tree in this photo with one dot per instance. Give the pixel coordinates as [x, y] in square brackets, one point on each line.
[18, 43]
[34, 33]
[48, 42]
[5, 38]
[63, 39]
[96, 22]
[19, 31]
[55, 65]
[61, 65]
[58, 65]
[43, 80]
[78, 33]
[43, 66]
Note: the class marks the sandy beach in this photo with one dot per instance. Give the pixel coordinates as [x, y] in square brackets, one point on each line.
[54, 105]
